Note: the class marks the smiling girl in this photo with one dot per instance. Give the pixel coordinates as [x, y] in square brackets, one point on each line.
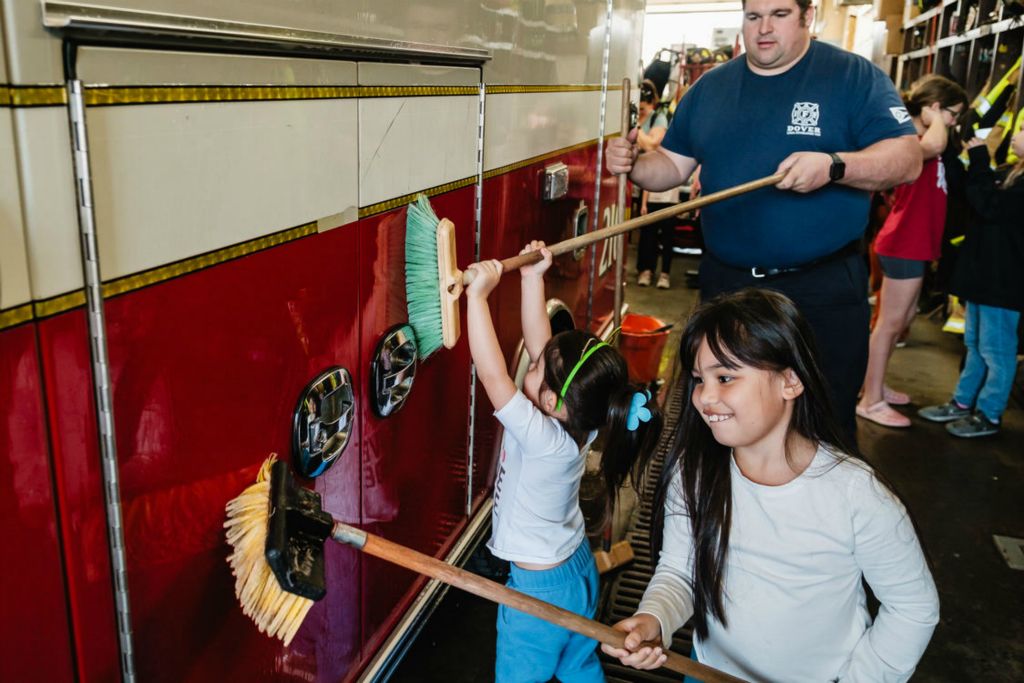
[770, 526]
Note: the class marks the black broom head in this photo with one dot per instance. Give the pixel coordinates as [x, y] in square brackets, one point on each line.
[296, 534]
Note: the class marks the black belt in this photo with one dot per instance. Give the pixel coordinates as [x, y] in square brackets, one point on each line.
[848, 249]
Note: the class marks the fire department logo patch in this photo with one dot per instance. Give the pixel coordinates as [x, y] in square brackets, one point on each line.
[804, 119]
[900, 114]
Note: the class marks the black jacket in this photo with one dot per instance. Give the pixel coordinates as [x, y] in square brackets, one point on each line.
[990, 266]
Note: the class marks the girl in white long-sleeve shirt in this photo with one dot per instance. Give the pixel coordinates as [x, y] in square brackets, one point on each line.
[770, 525]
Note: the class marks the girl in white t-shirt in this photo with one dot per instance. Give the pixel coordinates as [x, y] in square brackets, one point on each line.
[770, 527]
[576, 384]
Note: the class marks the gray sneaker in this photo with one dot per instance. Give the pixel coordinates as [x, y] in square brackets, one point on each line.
[975, 425]
[947, 412]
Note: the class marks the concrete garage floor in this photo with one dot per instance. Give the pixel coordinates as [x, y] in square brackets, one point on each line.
[960, 492]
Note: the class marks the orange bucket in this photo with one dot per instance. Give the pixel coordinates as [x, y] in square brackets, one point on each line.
[642, 347]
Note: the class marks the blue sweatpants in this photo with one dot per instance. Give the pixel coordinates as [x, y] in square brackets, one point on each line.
[531, 650]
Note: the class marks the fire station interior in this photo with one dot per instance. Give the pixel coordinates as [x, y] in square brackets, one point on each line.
[209, 218]
[963, 494]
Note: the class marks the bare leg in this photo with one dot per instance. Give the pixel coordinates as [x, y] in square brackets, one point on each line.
[897, 303]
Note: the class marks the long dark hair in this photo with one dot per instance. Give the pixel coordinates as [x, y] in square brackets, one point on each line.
[599, 397]
[759, 329]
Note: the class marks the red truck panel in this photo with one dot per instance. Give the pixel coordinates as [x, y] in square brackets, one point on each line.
[414, 474]
[206, 370]
[35, 642]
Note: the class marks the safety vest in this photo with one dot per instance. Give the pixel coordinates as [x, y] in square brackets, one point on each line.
[994, 117]
[994, 96]
[1011, 156]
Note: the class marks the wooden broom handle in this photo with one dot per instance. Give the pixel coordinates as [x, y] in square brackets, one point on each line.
[495, 592]
[516, 262]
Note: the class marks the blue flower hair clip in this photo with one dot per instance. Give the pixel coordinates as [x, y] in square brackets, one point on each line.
[638, 410]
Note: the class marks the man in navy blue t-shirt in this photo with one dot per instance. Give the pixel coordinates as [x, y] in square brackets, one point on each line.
[835, 125]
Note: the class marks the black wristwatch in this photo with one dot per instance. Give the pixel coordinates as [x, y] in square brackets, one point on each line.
[838, 168]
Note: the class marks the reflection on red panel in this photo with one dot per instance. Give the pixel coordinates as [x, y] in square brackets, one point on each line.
[34, 635]
[414, 474]
[64, 353]
[206, 371]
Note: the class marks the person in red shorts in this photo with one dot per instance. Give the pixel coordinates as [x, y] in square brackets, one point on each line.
[910, 238]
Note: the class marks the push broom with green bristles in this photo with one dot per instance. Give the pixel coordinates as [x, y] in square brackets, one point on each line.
[433, 282]
[277, 532]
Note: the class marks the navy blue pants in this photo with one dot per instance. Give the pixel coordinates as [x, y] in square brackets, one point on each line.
[833, 298]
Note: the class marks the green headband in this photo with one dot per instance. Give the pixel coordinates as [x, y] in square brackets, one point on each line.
[587, 353]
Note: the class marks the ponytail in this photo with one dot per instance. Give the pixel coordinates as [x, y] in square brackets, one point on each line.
[627, 451]
[598, 396]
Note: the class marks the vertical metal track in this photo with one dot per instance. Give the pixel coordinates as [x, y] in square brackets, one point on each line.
[620, 203]
[478, 217]
[600, 155]
[478, 214]
[100, 370]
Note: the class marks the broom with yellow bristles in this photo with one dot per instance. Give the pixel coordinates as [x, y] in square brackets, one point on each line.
[433, 282]
[277, 531]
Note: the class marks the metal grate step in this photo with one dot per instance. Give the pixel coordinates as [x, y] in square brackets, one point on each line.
[623, 596]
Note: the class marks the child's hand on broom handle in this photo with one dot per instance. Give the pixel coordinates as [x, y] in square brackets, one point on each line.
[641, 630]
[486, 275]
[536, 269]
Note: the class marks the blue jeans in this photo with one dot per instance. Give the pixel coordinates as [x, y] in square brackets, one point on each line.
[532, 650]
[990, 334]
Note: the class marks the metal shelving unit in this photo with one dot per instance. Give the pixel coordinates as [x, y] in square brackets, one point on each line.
[964, 40]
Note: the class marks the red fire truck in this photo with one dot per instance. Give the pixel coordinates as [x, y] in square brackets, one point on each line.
[202, 215]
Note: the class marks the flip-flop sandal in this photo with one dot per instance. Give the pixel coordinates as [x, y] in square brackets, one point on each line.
[883, 414]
